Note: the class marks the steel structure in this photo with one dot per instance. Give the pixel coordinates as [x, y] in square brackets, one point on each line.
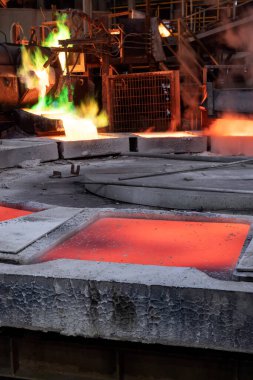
[142, 101]
[198, 14]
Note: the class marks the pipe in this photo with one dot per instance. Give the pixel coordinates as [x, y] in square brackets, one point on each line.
[148, 16]
[131, 5]
[183, 157]
[225, 164]
[200, 189]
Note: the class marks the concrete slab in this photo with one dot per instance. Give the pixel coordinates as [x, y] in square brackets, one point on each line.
[230, 188]
[246, 262]
[176, 184]
[180, 142]
[16, 234]
[232, 145]
[244, 268]
[126, 302]
[13, 152]
[120, 143]
[101, 146]
[36, 185]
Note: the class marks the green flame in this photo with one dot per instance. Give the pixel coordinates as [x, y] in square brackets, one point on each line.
[61, 33]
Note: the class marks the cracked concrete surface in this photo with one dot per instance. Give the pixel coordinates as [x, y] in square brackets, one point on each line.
[35, 184]
[139, 303]
[171, 306]
[149, 304]
[188, 184]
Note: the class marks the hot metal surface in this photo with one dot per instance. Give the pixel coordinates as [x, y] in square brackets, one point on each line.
[203, 245]
[7, 213]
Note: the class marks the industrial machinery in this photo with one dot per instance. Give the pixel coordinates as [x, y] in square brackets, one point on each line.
[13, 91]
[97, 56]
[229, 89]
[147, 73]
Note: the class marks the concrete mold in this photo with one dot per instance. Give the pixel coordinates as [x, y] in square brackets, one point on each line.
[15, 151]
[141, 303]
[211, 246]
[104, 145]
[123, 143]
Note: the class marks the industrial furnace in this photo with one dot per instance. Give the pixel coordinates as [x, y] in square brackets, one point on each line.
[14, 93]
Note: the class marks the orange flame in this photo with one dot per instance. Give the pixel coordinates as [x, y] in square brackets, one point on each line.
[164, 32]
[231, 125]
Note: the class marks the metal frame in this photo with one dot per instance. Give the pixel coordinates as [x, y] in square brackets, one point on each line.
[141, 101]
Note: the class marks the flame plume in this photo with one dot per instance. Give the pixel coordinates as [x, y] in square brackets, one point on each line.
[80, 123]
[231, 125]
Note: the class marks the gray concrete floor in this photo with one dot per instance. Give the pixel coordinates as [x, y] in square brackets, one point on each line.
[36, 184]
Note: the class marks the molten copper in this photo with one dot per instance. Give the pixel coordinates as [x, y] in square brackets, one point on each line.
[7, 213]
[203, 245]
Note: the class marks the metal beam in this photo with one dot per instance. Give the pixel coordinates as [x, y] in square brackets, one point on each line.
[131, 5]
[224, 27]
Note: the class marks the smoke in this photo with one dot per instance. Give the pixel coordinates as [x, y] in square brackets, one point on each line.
[239, 44]
[189, 68]
[238, 50]
[241, 37]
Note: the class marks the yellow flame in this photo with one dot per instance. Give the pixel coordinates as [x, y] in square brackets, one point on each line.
[79, 129]
[90, 110]
[79, 123]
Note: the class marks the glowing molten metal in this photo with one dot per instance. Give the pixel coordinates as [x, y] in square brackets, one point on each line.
[164, 32]
[7, 213]
[149, 135]
[203, 245]
[79, 129]
[231, 125]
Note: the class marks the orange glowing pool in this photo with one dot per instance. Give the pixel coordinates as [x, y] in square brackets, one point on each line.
[203, 245]
[150, 135]
[7, 213]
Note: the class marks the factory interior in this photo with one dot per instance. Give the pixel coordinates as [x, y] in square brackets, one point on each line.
[126, 215]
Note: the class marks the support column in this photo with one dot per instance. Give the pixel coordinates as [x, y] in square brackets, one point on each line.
[105, 70]
[87, 8]
[148, 28]
[148, 15]
[131, 5]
